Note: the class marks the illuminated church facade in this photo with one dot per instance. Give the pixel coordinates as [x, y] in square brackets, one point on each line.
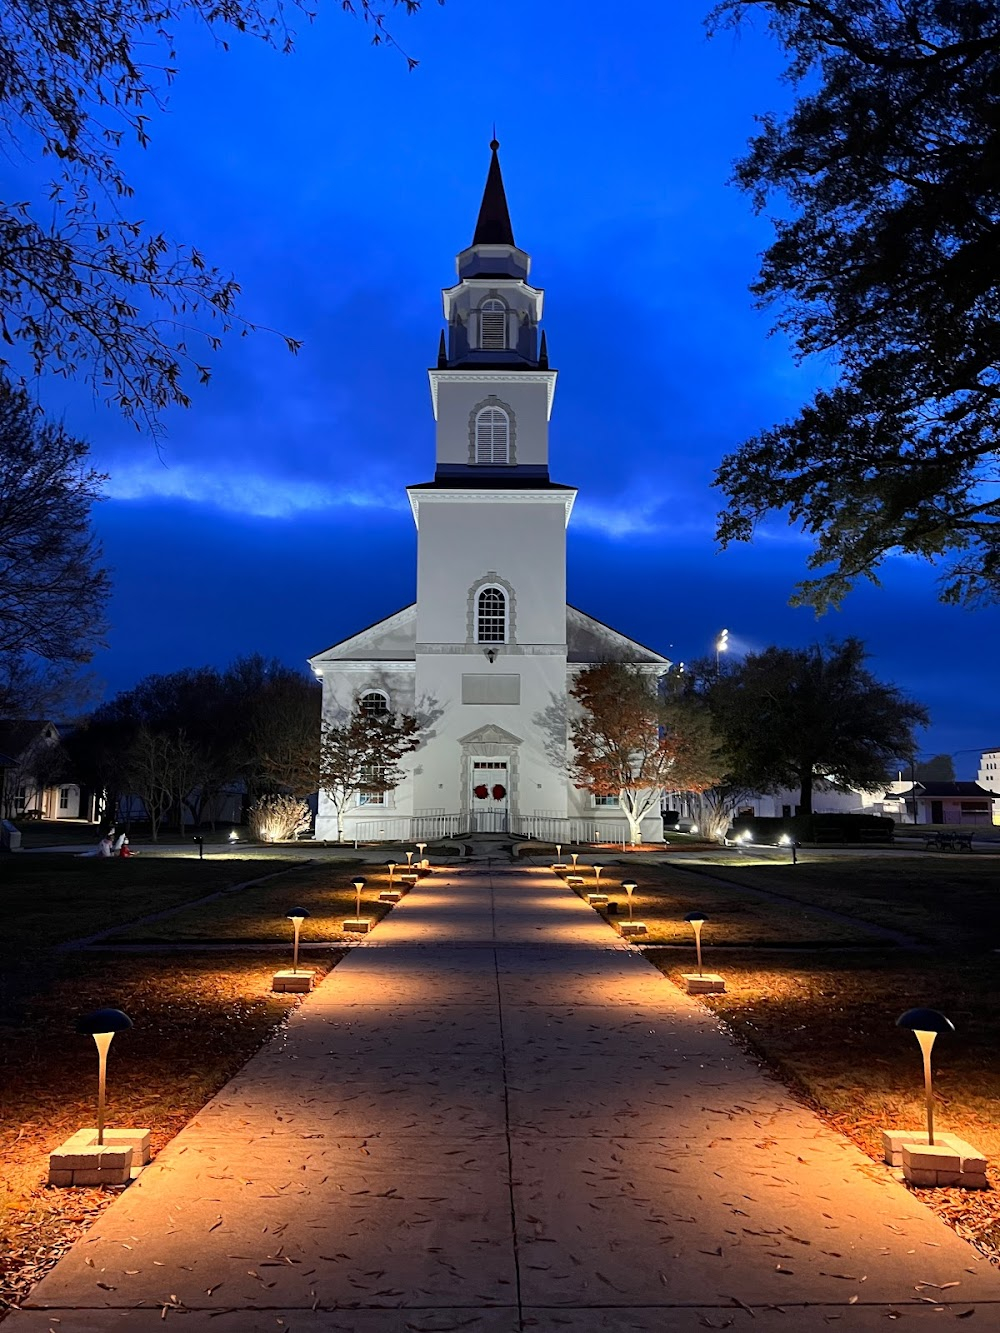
[485, 655]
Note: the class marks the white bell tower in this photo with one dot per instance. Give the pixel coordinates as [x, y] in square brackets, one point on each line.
[491, 561]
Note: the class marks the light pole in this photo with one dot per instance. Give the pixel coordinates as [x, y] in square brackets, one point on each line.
[102, 1026]
[392, 869]
[925, 1024]
[630, 886]
[721, 646]
[359, 884]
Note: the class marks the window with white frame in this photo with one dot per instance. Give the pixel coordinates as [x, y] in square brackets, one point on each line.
[372, 797]
[491, 615]
[63, 798]
[492, 436]
[606, 800]
[20, 800]
[374, 703]
[493, 325]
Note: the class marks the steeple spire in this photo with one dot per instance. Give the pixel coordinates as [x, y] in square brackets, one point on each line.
[493, 225]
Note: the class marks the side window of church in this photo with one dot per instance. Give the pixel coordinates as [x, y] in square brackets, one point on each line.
[493, 325]
[491, 616]
[374, 703]
[371, 775]
[492, 435]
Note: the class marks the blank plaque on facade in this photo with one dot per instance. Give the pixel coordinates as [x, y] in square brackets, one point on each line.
[487, 688]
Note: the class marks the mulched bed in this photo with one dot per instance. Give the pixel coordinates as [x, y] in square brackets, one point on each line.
[197, 1019]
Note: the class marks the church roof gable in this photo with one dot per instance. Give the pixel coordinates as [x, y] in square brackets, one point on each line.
[391, 639]
[590, 640]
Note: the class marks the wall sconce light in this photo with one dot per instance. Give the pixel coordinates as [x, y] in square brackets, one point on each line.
[491, 655]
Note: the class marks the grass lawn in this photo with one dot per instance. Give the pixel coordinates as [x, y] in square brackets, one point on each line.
[49, 899]
[947, 902]
[197, 1019]
[826, 1024]
[258, 913]
[665, 896]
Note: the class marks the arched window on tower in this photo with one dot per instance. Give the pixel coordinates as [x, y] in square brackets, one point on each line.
[374, 703]
[493, 324]
[491, 615]
[492, 435]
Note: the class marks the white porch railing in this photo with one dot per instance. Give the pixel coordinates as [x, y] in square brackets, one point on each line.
[406, 828]
[548, 829]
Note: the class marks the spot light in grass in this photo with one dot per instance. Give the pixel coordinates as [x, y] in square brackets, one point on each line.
[296, 916]
[925, 1024]
[102, 1025]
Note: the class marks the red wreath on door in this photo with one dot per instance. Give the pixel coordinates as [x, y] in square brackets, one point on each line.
[499, 792]
[481, 792]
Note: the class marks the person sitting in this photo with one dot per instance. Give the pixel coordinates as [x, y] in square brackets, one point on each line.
[103, 848]
[124, 850]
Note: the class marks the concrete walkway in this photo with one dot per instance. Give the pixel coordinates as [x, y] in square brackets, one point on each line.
[495, 1116]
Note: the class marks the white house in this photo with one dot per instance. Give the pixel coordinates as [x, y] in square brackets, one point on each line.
[484, 655]
[32, 765]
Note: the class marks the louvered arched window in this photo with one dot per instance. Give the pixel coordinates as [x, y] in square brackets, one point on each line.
[493, 324]
[491, 615]
[492, 435]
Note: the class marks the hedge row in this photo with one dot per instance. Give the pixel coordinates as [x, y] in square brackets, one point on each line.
[770, 830]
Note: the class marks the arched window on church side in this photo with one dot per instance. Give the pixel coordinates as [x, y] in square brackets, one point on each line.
[493, 325]
[374, 703]
[491, 616]
[492, 435]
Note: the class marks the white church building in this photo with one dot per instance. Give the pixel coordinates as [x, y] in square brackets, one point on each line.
[484, 657]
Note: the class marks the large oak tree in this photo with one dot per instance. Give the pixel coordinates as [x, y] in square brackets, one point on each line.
[793, 717]
[885, 178]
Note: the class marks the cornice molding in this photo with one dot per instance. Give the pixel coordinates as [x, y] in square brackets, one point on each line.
[418, 496]
[546, 377]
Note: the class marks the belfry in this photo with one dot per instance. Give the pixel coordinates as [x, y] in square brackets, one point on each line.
[484, 655]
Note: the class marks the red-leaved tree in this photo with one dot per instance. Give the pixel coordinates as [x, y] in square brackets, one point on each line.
[634, 738]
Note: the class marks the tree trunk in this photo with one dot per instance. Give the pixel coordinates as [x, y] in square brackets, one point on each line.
[340, 823]
[806, 792]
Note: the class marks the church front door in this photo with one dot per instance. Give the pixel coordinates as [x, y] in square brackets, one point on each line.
[489, 799]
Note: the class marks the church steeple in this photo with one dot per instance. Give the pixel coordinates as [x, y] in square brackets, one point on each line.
[493, 224]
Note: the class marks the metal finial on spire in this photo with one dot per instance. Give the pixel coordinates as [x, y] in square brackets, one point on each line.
[494, 142]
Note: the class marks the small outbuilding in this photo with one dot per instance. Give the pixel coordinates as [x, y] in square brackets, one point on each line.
[949, 802]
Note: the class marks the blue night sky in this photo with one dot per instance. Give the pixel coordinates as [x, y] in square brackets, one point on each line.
[338, 188]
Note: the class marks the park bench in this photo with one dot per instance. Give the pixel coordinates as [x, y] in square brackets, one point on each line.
[949, 842]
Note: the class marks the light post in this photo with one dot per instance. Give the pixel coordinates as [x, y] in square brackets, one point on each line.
[696, 920]
[788, 841]
[359, 884]
[409, 860]
[925, 1024]
[201, 846]
[392, 869]
[102, 1026]
[630, 886]
[597, 876]
[558, 852]
[721, 646]
[296, 916]
[421, 847]
[574, 856]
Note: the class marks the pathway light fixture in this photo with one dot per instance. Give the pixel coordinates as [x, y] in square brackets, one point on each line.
[201, 846]
[696, 920]
[392, 869]
[359, 885]
[296, 916]
[925, 1024]
[102, 1025]
[558, 851]
[630, 886]
[597, 875]
[574, 857]
[409, 860]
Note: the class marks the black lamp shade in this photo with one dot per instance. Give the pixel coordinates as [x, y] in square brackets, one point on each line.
[358, 883]
[629, 884]
[695, 916]
[103, 1020]
[925, 1020]
[296, 911]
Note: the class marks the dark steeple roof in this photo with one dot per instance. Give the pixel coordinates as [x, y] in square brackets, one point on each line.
[493, 225]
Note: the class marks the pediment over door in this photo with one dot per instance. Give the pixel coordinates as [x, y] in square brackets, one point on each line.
[490, 734]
